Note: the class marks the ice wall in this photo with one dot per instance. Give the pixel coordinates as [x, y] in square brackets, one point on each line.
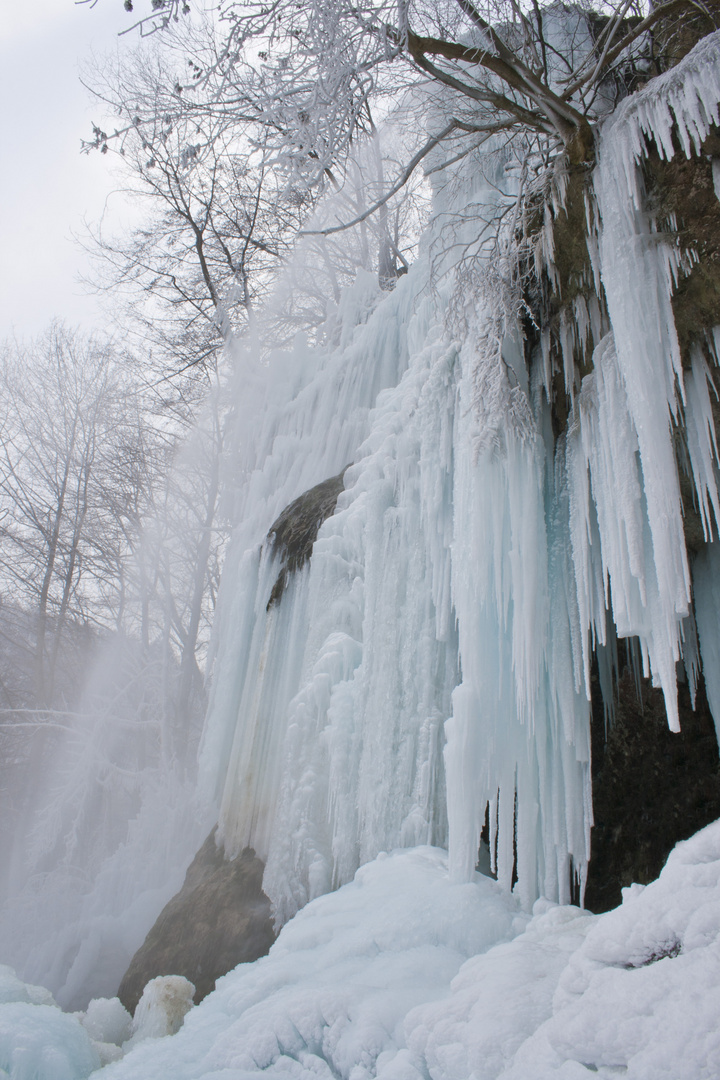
[432, 662]
[408, 676]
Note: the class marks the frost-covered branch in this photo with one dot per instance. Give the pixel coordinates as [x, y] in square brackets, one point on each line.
[399, 184]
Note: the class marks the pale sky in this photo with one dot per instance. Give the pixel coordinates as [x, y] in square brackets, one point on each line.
[46, 185]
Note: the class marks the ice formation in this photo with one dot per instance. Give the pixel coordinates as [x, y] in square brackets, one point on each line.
[107, 1020]
[162, 1008]
[639, 272]
[37, 1040]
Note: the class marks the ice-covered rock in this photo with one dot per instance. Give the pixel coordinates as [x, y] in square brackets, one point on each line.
[162, 1008]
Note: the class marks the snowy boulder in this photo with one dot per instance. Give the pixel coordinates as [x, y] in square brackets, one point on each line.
[107, 1021]
[162, 1007]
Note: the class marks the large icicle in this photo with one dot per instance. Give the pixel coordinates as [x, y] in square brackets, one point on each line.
[518, 737]
[639, 274]
[363, 763]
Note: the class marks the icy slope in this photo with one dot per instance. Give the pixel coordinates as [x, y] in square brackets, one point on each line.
[403, 975]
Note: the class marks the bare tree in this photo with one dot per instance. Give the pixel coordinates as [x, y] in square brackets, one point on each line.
[307, 75]
[109, 559]
[216, 221]
[64, 414]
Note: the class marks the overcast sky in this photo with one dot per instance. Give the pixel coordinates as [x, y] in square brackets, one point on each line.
[46, 185]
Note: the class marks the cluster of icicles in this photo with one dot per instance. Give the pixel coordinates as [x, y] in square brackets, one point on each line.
[432, 660]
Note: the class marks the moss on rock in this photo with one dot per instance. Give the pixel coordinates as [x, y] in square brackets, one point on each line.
[294, 532]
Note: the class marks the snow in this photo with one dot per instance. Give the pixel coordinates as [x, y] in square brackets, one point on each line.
[406, 974]
[332, 996]
[13, 989]
[639, 996]
[37, 1040]
[107, 1020]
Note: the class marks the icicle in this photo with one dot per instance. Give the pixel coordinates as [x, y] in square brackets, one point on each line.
[607, 661]
[608, 484]
[639, 275]
[701, 441]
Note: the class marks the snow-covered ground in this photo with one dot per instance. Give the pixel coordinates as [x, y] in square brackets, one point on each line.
[403, 974]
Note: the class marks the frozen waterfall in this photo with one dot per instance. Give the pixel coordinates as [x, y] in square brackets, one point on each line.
[433, 658]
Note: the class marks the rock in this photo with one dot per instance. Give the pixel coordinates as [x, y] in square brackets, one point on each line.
[651, 787]
[295, 531]
[219, 919]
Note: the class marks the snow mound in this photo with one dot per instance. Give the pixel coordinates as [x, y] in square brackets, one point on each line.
[39, 1042]
[12, 989]
[639, 998]
[331, 997]
[107, 1021]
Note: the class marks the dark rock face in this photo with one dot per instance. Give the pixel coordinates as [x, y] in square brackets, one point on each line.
[651, 788]
[219, 919]
[295, 531]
